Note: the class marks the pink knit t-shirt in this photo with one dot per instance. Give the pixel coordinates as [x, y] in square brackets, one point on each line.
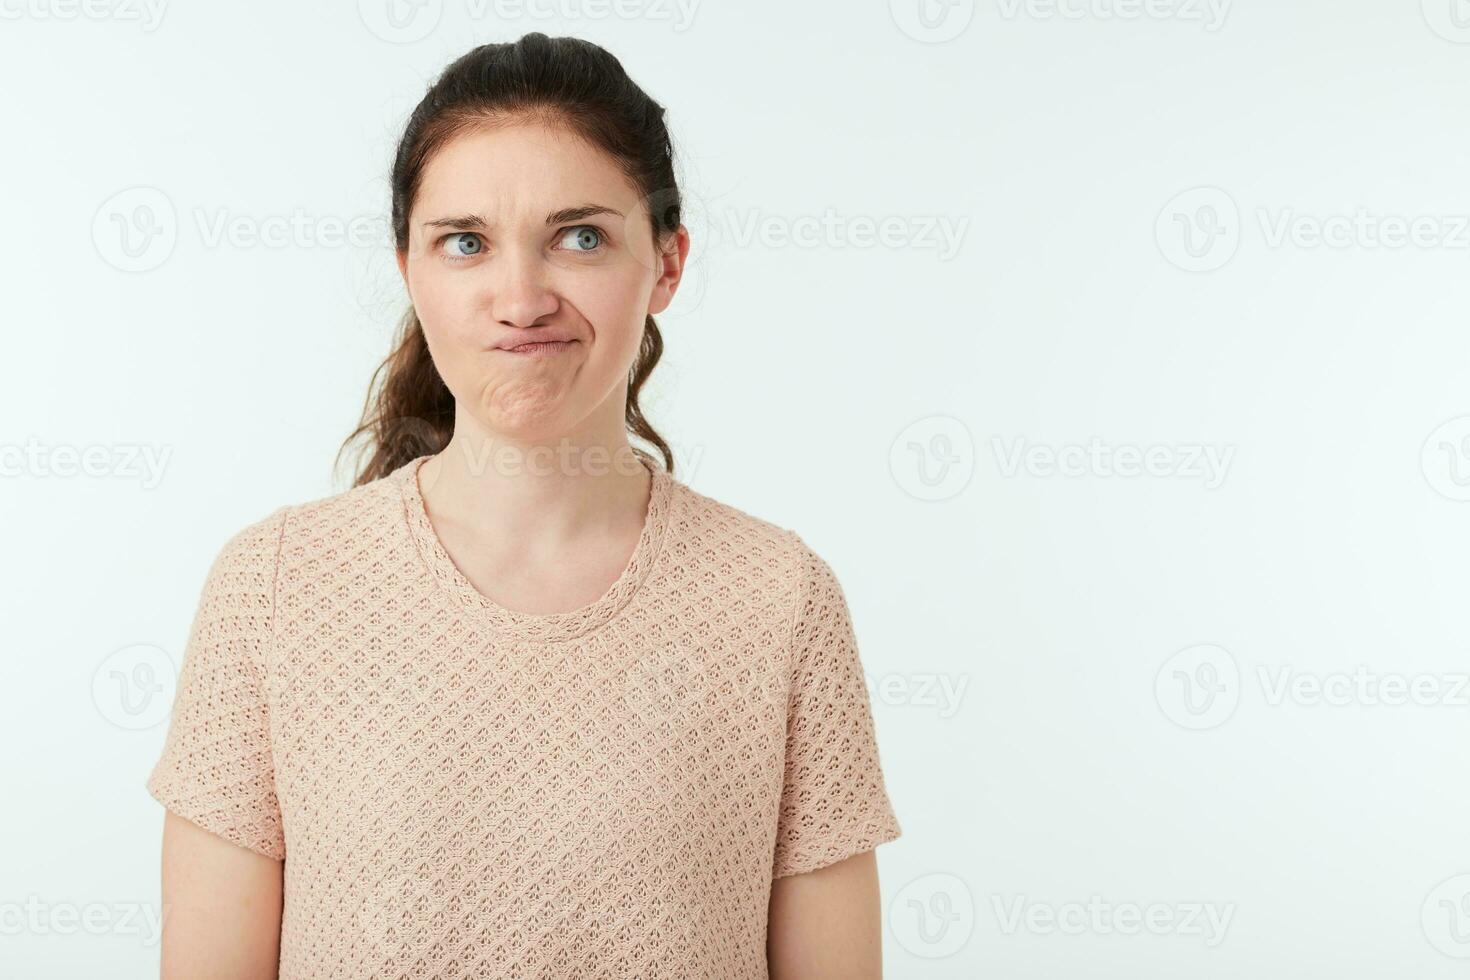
[462, 790]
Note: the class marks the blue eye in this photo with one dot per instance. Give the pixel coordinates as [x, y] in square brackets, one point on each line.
[588, 238]
[464, 245]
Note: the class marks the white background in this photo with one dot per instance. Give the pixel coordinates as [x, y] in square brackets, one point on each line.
[1131, 192]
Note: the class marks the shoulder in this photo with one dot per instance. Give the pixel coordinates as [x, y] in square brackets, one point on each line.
[763, 551]
[715, 528]
[778, 561]
[247, 560]
[321, 524]
[267, 540]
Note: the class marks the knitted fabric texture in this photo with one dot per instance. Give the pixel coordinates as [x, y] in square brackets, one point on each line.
[458, 789]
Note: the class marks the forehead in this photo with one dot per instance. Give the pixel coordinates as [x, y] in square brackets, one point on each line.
[520, 171]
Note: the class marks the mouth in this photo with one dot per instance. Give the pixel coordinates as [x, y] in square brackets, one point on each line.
[539, 348]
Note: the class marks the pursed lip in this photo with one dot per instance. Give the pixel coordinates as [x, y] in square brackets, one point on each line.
[541, 335]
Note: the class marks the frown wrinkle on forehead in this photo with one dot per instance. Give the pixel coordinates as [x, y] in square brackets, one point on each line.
[475, 222]
[522, 173]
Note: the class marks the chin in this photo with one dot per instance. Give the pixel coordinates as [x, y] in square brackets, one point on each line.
[528, 413]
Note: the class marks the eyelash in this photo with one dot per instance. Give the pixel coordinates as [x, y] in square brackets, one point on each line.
[561, 233]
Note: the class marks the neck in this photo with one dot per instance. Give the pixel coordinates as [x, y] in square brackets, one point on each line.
[536, 495]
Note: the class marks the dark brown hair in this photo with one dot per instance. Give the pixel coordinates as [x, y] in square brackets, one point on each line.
[409, 410]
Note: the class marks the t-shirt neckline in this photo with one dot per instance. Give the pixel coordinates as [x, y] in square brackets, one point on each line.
[537, 626]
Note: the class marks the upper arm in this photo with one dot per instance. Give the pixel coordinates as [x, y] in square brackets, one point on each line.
[223, 840]
[222, 907]
[834, 800]
[824, 918]
[827, 923]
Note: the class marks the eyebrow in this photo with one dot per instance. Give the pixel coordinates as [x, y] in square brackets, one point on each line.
[477, 223]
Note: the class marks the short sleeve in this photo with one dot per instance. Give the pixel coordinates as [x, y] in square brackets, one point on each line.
[834, 803]
[216, 768]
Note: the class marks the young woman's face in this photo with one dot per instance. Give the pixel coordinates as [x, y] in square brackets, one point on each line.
[523, 233]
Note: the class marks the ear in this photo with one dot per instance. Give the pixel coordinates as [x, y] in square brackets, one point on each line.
[671, 271]
[403, 266]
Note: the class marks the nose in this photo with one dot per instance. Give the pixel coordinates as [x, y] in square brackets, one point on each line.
[520, 288]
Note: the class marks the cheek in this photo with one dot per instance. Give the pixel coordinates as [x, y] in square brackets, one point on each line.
[614, 302]
[445, 305]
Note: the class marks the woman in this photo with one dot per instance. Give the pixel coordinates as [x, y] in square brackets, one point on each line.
[520, 703]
